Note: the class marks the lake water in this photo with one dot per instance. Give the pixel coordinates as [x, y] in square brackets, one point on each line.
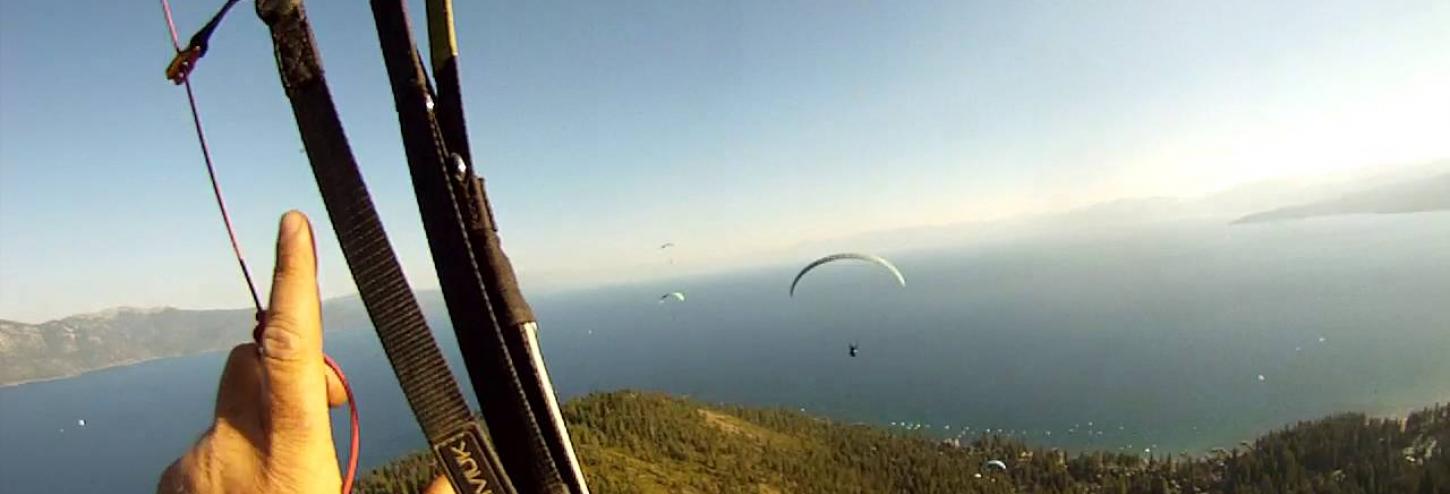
[1155, 335]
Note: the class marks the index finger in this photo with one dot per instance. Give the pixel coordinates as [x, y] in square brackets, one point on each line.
[292, 337]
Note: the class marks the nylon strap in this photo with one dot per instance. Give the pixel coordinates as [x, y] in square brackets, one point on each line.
[441, 189]
[466, 453]
[511, 312]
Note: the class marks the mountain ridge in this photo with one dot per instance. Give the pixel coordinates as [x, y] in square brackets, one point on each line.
[118, 336]
[1424, 195]
[93, 341]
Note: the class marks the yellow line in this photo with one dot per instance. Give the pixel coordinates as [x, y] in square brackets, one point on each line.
[442, 40]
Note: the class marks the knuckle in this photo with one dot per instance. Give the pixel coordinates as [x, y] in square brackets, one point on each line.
[283, 337]
[172, 481]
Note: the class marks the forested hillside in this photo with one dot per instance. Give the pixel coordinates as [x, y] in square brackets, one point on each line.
[632, 442]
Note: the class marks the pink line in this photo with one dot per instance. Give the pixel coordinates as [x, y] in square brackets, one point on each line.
[210, 167]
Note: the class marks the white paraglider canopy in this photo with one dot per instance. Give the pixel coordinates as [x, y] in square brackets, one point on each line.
[871, 258]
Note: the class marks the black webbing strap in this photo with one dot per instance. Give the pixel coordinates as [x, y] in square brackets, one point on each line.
[441, 187]
[510, 310]
[466, 453]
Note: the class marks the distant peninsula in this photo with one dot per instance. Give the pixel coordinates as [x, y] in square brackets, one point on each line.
[120, 336]
[114, 337]
[1431, 194]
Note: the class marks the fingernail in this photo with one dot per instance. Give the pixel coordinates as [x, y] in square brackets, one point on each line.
[292, 223]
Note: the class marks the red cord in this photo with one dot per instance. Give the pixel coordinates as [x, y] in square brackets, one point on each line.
[354, 434]
[179, 73]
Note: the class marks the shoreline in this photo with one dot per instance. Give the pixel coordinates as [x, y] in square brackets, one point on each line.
[115, 365]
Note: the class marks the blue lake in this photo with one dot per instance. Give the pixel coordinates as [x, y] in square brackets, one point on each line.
[1125, 339]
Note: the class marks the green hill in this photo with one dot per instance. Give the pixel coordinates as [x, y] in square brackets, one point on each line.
[632, 442]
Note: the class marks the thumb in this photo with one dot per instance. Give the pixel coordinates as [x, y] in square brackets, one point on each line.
[292, 339]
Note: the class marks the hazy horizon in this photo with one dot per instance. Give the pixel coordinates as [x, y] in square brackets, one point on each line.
[750, 127]
[1282, 191]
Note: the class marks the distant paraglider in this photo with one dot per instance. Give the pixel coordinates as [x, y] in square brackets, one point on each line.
[678, 296]
[666, 245]
[997, 464]
[874, 259]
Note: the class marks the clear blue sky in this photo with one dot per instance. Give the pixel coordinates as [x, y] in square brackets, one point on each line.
[606, 128]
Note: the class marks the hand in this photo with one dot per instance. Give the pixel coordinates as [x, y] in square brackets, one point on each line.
[272, 433]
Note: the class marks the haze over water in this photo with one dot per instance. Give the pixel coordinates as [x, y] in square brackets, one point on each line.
[1155, 333]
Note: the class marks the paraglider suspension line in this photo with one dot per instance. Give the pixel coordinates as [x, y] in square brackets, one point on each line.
[351, 474]
[216, 188]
